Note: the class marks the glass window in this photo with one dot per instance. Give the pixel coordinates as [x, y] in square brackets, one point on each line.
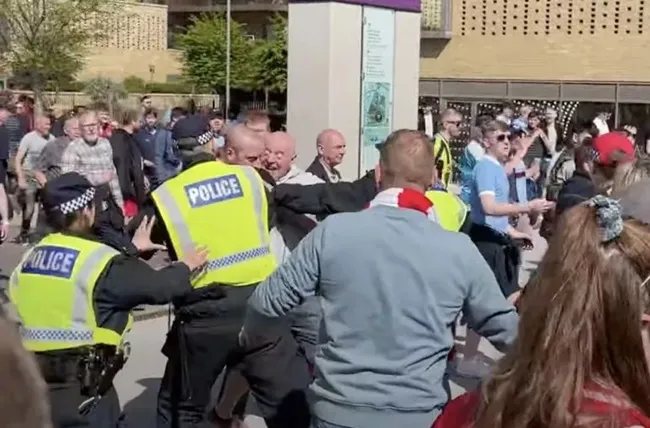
[587, 111]
[638, 116]
[426, 104]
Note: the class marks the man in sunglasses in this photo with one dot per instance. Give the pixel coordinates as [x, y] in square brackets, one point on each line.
[451, 121]
[491, 209]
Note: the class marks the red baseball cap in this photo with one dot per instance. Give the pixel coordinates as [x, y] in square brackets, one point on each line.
[607, 144]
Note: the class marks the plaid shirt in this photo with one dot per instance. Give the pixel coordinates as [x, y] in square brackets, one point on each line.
[49, 162]
[95, 162]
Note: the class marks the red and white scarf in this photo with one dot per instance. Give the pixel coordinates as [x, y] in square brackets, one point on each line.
[405, 198]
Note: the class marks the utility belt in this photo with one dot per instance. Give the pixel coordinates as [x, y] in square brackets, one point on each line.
[94, 367]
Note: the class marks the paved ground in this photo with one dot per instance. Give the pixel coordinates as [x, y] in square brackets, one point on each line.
[137, 384]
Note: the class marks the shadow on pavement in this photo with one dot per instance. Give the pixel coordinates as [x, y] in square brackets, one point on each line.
[141, 411]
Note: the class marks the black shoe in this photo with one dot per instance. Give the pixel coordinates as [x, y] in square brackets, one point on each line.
[22, 239]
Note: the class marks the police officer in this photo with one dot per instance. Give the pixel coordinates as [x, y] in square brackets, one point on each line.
[74, 295]
[450, 210]
[223, 207]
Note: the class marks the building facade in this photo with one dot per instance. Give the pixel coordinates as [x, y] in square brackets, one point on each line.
[585, 51]
[136, 46]
[255, 14]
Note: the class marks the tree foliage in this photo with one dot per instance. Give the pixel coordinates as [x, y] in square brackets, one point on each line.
[105, 91]
[204, 53]
[43, 42]
[271, 57]
[135, 85]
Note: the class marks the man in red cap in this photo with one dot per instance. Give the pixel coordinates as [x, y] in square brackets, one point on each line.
[611, 150]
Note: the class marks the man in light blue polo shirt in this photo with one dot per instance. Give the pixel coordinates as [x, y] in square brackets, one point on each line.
[490, 195]
[491, 231]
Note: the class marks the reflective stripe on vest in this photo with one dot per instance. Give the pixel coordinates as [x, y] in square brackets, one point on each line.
[172, 212]
[443, 159]
[80, 330]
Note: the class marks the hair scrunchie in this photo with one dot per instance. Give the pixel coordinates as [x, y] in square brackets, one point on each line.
[610, 216]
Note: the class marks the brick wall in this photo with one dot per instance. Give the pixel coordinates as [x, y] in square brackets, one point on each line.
[604, 40]
[117, 64]
[136, 46]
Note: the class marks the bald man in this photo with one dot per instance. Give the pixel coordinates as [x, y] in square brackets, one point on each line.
[29, 150]
[279, 157]
[330, 145]
[258, 121]
[389, 299]
[243, 146]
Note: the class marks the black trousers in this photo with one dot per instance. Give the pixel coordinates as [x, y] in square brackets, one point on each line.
[198, 349]
[502, 255]
[278, 373]
[65, 399]
[61, 374]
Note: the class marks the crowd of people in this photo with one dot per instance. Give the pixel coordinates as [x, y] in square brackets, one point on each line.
[131, 153]
[334, 303]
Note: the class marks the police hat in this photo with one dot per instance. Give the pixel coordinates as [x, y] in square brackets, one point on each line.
[67, 193]
[192, 131]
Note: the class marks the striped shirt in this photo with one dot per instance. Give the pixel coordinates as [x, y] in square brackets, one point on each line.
[95, 162]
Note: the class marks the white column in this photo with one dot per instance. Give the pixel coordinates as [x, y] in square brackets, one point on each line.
[324, 76]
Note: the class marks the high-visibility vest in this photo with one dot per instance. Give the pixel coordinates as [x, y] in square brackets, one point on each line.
[52, 289]
[444, 162]
[451, 210]
[224, 208]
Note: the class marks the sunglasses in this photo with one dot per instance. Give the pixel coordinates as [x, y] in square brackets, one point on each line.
[454, 122]
[502, 137]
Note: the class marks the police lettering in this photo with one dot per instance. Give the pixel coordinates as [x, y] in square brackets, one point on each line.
[50, 260]
[213, 190]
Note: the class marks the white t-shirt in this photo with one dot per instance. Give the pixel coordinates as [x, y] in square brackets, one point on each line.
[33, 144]
[476, 149]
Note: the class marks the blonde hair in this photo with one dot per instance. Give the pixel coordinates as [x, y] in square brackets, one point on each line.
[629, 173]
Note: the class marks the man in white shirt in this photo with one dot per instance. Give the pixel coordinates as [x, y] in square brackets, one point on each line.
[280, 154]
[31, 146]
[601, 122]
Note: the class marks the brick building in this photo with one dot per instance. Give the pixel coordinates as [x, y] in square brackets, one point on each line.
[136, 46]
[475, 54]
[586, 51]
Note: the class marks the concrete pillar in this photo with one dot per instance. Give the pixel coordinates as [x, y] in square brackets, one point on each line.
[326, 68]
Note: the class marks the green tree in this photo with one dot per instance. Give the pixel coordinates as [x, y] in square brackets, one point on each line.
[271, 58]
[134, 85]
[204, 53]
[105, 91]
[43, 42]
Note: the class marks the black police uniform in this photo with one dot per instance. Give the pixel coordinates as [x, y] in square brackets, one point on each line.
[204, 337]
[127, 282]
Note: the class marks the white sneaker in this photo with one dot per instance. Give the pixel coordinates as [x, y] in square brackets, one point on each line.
[473, 368]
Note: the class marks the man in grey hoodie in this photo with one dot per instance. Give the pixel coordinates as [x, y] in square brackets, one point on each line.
[391, 283]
